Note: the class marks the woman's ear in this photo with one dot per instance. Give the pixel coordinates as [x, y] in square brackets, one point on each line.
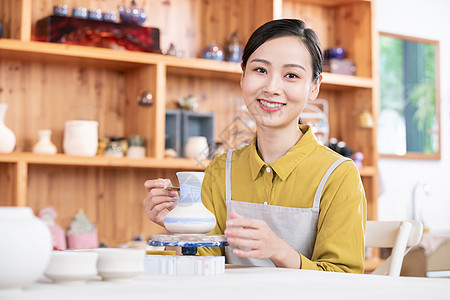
[315, 88]
[242, 75]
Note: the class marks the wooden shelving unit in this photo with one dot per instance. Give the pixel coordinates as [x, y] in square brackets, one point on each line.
[46, 84]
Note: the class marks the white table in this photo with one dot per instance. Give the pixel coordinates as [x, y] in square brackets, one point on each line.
[249, 284]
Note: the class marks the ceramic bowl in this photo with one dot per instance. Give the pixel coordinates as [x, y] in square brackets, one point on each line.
[72, 267]
[117, 264]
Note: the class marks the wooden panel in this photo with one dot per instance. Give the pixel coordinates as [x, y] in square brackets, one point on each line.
[348, 26]
[141, 120]
[10, 17]
[219, 19]
[214, 95]
[320, 19]
[370, 188]
[47, 95]
[8, 173]
[354, 33]
[112, 198]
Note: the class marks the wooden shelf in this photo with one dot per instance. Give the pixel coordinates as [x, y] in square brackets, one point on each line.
[103, 161]
[123, 60]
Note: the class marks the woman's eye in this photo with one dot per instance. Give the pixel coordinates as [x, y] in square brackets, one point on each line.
[260, 70]
[292, 76]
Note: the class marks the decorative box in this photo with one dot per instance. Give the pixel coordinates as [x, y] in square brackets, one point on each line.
[339, 66]
[104, 34]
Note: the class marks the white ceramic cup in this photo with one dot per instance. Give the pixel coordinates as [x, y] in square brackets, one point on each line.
[72, 267]
[117, 264]
[81, 138]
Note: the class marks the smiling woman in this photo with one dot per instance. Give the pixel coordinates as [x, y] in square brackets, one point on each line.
[284, 200]
[409, 97]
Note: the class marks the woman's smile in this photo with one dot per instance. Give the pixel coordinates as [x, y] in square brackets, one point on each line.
[270, 106]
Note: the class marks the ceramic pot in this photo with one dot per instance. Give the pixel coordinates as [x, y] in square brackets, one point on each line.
[44, 144]
[7, 137]
[190, 215]
[26, 248]
[197, 148]
[81, 138]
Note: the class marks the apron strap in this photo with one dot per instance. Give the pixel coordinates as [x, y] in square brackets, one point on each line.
[324, 180]
[228, 176]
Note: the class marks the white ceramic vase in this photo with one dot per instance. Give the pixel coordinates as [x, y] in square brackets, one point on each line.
[26, 246]
[44, 144]
[7, 137]
[190, 215]
[197, 148]
[80, 138]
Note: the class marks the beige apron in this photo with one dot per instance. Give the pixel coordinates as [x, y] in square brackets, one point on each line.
[296, 226]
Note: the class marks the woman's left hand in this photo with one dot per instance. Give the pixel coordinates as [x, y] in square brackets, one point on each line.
[259, 241]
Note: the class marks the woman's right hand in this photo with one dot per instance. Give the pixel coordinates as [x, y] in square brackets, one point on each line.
[159, 201]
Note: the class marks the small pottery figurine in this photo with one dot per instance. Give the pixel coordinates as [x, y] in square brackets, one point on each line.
[190, 215]
[188, 103]
[44, 145]
[48, 214]
[80, 12]
[358, 159]
[132, 14]
[233, 49]
[82, 234]
[25, 250]
[136, 147]
[7, 137]
[173, 52]
[213, 51]
[197, 148]
[60, 10]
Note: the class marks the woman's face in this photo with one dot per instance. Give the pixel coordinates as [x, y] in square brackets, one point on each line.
[277, 82]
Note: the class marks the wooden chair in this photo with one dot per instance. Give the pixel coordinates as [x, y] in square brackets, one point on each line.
[398, 235]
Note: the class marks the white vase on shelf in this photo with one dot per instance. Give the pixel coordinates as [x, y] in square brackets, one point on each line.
[7, 137]
[44, 144]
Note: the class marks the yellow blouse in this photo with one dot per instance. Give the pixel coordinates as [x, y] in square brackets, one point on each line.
[292, 182]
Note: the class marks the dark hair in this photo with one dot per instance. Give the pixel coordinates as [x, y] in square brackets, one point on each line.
[286, 27]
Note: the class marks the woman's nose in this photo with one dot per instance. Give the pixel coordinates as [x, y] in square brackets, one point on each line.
[273, 85]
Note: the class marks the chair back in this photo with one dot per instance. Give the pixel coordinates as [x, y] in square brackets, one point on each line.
[398, 235]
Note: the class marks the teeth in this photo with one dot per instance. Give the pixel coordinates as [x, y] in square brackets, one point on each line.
[268, 104]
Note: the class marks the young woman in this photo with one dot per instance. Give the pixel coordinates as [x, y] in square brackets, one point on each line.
[284, 200]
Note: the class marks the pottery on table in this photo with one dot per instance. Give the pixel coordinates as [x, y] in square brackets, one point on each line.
[80, 138]
[7, 137]
[44, 144]
[117, 264]
[26, 245]
[197, 148]
[190, 215]
[72, 267]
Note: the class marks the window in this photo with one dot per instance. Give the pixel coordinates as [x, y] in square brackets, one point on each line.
[408, 121]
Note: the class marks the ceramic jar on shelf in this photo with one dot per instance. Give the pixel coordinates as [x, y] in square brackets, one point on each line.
[81, 138]
[7, 137]
[26, 248]
[197, 148]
